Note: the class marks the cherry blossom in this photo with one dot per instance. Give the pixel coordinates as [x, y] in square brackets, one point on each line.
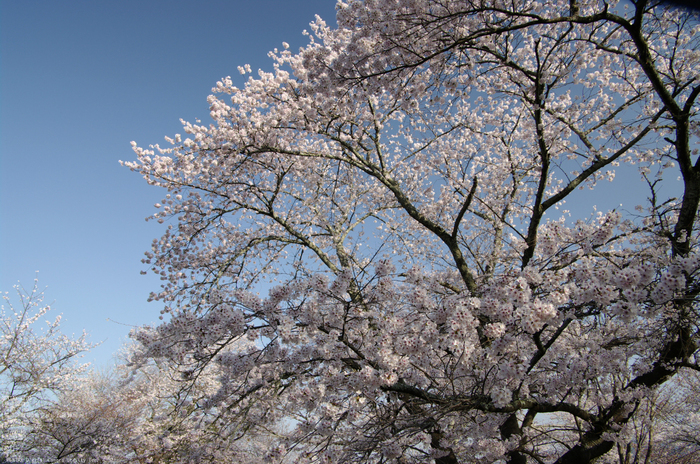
[37, 362]
[365, 242]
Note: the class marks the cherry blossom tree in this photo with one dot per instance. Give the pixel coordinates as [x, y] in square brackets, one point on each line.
[372, 241]
[36, 362]
[665, 428]
[134, 416]
[90, 422]
[676, 437]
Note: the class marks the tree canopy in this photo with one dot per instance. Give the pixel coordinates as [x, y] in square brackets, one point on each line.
[36, 363]
[370, 241]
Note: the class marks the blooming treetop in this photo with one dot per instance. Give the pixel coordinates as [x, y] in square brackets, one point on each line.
[393, 186]
[36, 362]
[129, 417]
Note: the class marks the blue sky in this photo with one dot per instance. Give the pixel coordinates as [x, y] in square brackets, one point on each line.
[79, 80]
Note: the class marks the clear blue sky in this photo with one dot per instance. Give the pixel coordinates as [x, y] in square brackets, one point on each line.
[79, 80]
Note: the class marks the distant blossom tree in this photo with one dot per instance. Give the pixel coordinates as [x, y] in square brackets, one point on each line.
[37, 362]
[665, 427]
[394, 188]
[93, 421]
[676, 438]
[135, 416]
